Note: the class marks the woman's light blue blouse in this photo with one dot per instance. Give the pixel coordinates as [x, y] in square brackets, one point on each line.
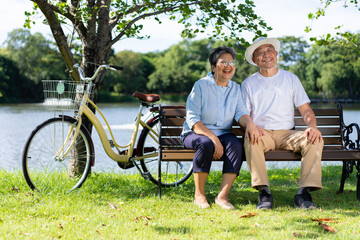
[215, 106]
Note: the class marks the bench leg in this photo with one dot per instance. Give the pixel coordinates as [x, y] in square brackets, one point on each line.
[358, 180]
[159, 174]
[347, 169]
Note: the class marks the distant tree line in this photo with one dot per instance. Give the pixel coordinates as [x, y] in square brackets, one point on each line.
[331, 71]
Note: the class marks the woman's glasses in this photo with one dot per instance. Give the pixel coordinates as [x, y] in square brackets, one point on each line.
[229, 63]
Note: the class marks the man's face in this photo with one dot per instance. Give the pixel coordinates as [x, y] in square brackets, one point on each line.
[265, 56]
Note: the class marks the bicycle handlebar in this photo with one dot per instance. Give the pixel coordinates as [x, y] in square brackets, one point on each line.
[88, 79]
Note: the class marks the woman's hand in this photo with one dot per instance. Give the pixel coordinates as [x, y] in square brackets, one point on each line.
[219, 149]
[201, 129]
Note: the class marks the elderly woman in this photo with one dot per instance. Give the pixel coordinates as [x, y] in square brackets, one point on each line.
[214, 102]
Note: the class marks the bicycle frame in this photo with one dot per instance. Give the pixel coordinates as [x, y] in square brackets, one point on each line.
[84, 109]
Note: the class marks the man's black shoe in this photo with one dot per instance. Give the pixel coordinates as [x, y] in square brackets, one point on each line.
[304, 200]
[265, 200]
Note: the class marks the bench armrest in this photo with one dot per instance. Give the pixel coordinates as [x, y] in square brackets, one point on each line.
[347, 132]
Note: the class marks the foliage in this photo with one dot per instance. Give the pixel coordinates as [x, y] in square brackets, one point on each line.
[333, 70]
[180, 67]
[133, 78]
[120, 206]
[292, 51]
[34, 56]
[341, 38]
[15, 87]
[330, 71]
[100, 24]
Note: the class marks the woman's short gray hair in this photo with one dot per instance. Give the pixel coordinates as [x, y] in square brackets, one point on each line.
[216, 53]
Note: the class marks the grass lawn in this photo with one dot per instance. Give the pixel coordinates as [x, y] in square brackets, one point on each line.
[112, 206]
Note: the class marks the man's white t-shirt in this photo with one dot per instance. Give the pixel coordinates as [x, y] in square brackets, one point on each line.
[271, 100]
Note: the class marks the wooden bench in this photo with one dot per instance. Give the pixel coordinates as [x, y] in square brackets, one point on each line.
[337, 143]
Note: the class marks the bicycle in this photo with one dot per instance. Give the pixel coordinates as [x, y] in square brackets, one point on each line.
[61, 148]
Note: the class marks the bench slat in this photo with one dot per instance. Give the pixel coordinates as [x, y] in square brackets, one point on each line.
[321, 112]
[328, 155]
[323, 130]
[173, 112]
[319, 121]
[278, 155]
[171, 140]
[172, 121]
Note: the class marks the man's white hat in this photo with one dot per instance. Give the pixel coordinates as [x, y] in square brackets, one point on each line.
[257, 43]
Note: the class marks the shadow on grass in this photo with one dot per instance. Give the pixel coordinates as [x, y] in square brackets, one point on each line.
[283, 184]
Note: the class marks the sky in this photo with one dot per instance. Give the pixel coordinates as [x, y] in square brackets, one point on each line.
[286, 17]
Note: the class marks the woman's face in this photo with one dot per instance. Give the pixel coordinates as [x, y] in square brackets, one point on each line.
[224, 69]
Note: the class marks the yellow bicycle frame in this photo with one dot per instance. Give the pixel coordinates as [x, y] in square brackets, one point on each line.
[84, 109]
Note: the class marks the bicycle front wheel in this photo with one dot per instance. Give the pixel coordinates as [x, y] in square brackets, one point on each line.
[43, 170]
[172, 173]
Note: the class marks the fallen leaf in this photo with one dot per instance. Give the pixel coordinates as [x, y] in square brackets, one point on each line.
[146, 218]
[297, 234]
[327, 227]
[324, 220]
[112, 206]
[15, 189]
[98, 232]
[248, 215]
[29, 194]
[27, 234]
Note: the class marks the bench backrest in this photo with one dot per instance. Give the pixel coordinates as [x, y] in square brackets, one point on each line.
[328, 120]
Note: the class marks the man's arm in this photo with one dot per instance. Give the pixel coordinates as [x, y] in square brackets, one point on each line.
[312, 133]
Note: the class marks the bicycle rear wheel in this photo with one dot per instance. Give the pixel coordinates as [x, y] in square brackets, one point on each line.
[44, 172]
[172, 173]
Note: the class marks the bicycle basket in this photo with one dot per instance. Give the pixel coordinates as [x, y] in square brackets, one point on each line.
[62, 95]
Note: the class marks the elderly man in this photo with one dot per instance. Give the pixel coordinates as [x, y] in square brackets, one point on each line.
[270, 95]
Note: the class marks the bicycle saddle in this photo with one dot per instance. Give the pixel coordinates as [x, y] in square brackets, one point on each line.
[146, 97]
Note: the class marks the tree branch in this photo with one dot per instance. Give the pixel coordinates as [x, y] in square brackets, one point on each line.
[128, 26]
[58, 34]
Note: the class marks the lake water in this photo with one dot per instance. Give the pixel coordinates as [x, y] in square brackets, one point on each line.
[18, 120]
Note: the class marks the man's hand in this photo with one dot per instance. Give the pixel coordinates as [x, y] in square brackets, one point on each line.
[313, 135]
[253, 133]
[261, 131]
